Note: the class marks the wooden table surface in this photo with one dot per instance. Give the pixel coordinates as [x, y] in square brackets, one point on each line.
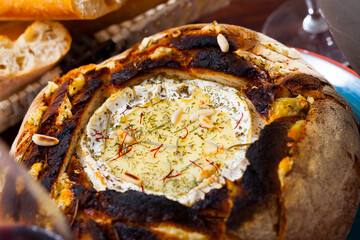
[247, 13]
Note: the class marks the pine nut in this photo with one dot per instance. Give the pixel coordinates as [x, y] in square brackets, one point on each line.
[210, 151]
[206, 173]
[223, 43]
[205, 112]
[205, 122]
[175, 117]
[125, 137]
[43, 140]
[128, 177]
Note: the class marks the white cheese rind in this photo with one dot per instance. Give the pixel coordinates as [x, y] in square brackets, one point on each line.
[227, 100]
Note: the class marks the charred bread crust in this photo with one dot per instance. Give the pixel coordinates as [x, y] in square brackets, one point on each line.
[55, 159]
[136, 208]
[262, 97]
[260, 179]
[260, 205]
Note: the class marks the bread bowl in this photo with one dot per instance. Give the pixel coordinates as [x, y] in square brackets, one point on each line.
[274, 152]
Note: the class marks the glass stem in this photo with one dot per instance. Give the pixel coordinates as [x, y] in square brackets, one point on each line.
[313, 7]
[314, 22]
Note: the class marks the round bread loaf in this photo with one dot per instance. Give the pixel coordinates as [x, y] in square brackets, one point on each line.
[199, 132]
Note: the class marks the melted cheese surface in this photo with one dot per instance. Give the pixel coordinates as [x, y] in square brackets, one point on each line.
[174, 138]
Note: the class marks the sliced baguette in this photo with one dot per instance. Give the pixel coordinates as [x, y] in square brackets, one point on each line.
[56, 9]
[41, 46]
[129, 10]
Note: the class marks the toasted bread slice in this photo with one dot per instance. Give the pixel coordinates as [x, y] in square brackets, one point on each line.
[39, 48]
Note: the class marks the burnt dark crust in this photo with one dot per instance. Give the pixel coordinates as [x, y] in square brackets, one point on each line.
[216, 204]
[228, 63]
[53, 157]
[135, 69]
[194, 41]
[103, 231]
[196, 52]
[137, 208]
[88, 228]
[304, 84]
[35, 153]
[207, 216]
[127, 232]
[209, 59]
[260, 180]
[48, 120]
[201, 41]
[93, 81]
[262, 97]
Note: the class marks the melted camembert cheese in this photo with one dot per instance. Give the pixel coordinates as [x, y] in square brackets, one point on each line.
[167, 137]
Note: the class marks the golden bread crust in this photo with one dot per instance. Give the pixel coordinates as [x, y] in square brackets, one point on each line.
[323, 183]
[316, 197]
[55, 9]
